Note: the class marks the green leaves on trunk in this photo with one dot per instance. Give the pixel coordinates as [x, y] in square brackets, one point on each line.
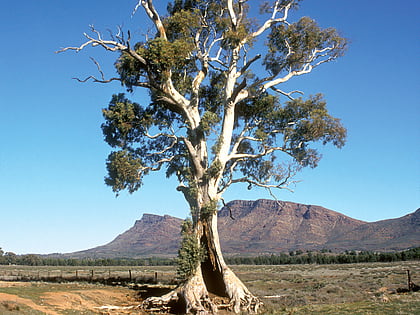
[190, 254]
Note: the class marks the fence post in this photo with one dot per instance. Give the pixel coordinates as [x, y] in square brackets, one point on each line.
[410, 284]
[129, 273]
[77, 275]
[156, 276]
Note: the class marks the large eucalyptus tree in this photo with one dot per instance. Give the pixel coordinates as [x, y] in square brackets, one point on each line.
[218, 115]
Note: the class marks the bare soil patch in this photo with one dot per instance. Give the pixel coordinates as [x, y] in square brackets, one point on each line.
[11, 302]
[56, 299]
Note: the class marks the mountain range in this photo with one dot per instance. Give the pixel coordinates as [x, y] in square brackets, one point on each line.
[267, 227]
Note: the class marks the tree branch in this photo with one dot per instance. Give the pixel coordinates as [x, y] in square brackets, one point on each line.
[254, 156]
[110, 45]
[94, 79]
[307, 68]
[288, 95]
[273, 20]
[232, 14]
[284, 184]
[154, 16]
[248, 64]
[157, 166]
[225, 205]
[286, 181]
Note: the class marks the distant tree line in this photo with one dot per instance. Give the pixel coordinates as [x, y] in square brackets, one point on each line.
[10, 258]
[325, 257]
[293, 257]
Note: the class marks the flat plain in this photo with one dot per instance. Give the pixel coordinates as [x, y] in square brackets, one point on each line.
[365, 288]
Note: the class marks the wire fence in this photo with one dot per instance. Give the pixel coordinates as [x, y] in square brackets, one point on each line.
[100, 275]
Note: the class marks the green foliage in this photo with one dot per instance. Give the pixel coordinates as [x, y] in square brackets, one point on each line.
[260, 107]
[124, 171]
[217, 146]
[306, 121]
[298, 257]
[126, 127]
[190, 254]
[266, 6]
[208, 210]
[163, 55]
[294, 257]
[185, 5]
[233, 37]
[8, 258]
[164, 58]
[195, 58]
[208, 120]
[214, 169]
[291, 46]
[182, 24]
[125, 122]
[129, 69]
[212, 98]
[37, 260]
[297, 124]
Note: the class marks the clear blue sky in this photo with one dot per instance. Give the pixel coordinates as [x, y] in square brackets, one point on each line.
[52, 156]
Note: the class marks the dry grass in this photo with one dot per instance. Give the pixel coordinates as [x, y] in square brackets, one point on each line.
[334, 289]
[287, 289]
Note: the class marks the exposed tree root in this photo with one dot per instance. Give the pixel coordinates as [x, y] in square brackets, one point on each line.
[193, 297]
[240, 297]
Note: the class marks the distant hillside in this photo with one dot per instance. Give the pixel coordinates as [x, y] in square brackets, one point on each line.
[267, 226]
[153, 235]
[393, 234]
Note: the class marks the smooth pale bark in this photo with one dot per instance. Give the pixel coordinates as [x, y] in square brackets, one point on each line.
[211, 276]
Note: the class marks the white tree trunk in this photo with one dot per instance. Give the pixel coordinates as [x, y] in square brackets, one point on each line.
[211, 276]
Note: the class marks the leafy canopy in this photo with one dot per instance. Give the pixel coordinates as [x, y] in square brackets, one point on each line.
[203, 67]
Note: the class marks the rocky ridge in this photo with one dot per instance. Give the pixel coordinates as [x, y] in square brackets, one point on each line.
[265, 227]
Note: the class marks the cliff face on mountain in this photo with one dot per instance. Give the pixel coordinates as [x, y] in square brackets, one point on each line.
[271, 226]
[267, 226]
[153, 235]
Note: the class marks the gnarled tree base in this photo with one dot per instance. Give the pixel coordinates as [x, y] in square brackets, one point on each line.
[239, 295]
[193, 297]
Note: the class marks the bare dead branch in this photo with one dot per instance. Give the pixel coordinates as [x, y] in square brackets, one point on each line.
[289, 94]
[249, 63]
[99, 67]
[229, 208]
[109, 45]
[96, 80]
